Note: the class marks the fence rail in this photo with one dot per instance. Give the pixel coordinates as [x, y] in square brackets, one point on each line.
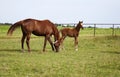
[95, 25]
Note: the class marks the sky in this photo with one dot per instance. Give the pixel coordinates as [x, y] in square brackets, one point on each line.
[61, 11]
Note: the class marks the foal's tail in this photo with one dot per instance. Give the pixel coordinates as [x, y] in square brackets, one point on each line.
[13, 27]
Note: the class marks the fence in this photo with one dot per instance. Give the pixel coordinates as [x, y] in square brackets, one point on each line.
[97, 25]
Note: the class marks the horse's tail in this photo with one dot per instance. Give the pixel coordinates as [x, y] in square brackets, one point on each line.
[13, 27]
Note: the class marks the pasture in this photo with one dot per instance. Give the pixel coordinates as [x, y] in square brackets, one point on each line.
[96, 56]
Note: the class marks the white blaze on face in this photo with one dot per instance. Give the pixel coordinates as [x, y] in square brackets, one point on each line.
[81, 23]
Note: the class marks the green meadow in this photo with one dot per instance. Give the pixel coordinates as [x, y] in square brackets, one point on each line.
[96, 56]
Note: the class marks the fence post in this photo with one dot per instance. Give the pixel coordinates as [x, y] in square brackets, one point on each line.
[94, 29]
[74, 25]
[113, 30]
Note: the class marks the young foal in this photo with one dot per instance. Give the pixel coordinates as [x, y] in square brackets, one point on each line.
[39, 28]
[72, 33]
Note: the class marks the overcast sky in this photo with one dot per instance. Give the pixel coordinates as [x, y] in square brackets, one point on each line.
[61, 11]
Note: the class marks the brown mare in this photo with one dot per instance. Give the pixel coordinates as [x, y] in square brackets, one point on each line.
[74, 32]
[39, 28]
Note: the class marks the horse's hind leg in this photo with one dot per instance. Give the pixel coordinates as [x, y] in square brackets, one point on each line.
[28, 41]
[22, 41]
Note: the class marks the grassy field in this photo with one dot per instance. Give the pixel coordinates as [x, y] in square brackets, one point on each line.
[97, 56]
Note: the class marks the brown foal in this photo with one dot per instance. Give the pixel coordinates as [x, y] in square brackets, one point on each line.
[74, 32]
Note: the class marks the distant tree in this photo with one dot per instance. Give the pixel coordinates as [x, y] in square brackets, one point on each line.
[90, 27]
[68, 25]
[7, 23]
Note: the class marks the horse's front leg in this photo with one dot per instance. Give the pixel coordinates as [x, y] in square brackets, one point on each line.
[76, 43]
[27, 42]
[45, 41]
[50, 41]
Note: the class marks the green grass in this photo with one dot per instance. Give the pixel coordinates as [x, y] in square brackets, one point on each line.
[97, 56]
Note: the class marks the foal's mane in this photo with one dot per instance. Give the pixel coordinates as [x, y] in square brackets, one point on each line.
[78, 27]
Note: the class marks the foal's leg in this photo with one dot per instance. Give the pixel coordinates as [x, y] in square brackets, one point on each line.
[27, 42]
[22, 41]
[62, 39]
[76, 43]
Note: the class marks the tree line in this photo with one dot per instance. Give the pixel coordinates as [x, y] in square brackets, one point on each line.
[5, 23]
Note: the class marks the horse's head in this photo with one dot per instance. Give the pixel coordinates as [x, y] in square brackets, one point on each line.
[57, 45]
[80, 24]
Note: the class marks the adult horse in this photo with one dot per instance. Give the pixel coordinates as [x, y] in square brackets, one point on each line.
[39, 28]
[74, 32]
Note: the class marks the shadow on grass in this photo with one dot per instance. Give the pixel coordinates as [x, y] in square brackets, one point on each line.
[16, 50]
[112, 52]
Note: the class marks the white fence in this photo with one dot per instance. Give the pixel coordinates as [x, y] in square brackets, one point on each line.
[95, 25]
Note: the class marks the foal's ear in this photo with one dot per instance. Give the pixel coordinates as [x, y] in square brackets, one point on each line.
[55, 42]
[80, 21]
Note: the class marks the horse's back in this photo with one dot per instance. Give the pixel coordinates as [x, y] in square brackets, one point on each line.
[38, 27]
[45, 25]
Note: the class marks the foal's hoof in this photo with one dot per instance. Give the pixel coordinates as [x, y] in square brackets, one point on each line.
[76, 49]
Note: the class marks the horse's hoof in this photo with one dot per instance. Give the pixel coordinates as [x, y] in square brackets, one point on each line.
[23, 50]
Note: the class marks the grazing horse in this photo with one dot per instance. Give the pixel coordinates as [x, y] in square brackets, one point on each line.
[74, 32]
[39, 28]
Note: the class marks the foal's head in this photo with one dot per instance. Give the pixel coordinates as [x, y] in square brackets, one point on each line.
[80, 24]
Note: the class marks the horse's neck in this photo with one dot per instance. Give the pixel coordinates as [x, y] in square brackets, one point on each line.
[77, 28]
[56, 35]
